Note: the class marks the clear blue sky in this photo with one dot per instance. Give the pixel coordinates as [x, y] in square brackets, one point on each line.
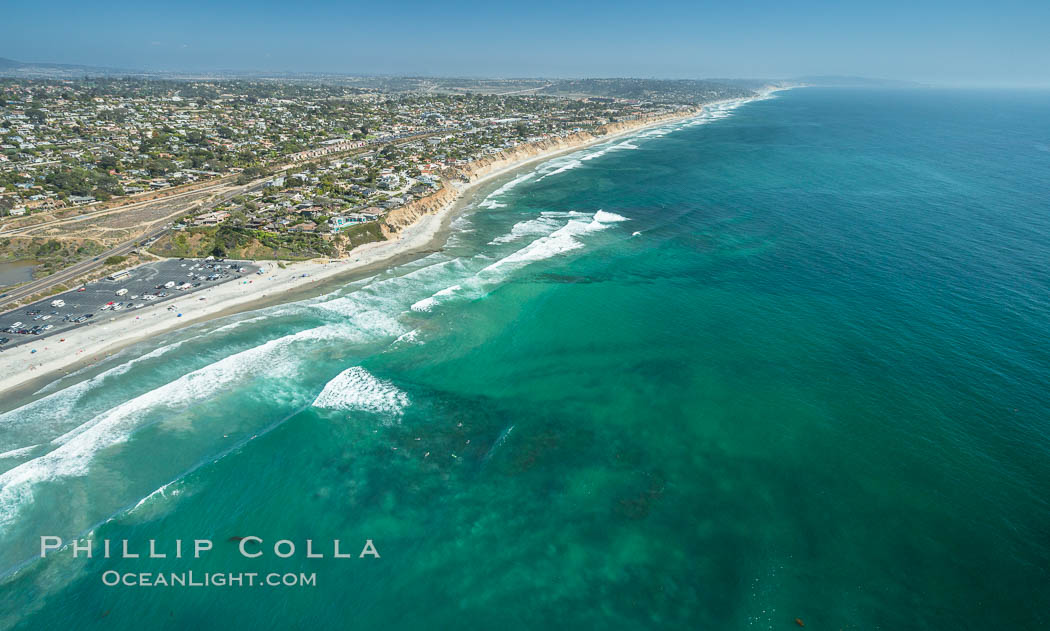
[957, 42]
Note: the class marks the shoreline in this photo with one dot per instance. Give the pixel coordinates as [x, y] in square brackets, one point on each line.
[22, 370]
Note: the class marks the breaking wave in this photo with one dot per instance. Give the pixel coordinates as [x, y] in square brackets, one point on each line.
[356, 389]
[18, 453]
[605, 217]
[429, 303]
[558, 242]
[542, 225]
[77, 447]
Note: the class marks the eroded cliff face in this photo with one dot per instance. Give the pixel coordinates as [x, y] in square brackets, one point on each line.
[487, 164]
[400, 218]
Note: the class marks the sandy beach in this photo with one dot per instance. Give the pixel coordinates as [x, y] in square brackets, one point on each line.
[33, 364]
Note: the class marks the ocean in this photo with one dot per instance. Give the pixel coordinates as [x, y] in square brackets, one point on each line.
[785, 360]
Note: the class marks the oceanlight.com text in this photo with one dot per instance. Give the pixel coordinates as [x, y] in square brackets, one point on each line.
[113, 578]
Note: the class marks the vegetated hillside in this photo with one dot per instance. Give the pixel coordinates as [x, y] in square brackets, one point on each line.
[51, 254]
[245, 243]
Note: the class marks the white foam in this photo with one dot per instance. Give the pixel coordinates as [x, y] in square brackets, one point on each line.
[562, 167]
[158, 492]
[608, 148]
[356, 389]
[606, 217]
[77, 447]
[718, 111]
[572, 161]
[558, 242]
[656, 132]
[511, 184]
[239, 323]
[542, 225]
[410, 337]
[373, 310]
[425, 304]
[18, 453]
[370, 319]
[54, 414]
[502, 438]
[563, 213]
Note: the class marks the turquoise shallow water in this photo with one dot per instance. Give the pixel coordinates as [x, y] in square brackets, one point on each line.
[797, 366]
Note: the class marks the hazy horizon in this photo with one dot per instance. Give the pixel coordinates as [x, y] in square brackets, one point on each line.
[941, 43]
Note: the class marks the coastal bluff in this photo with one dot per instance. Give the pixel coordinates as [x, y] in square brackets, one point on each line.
[403, 217]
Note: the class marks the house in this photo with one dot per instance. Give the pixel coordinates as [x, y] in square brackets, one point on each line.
[18, 211]
[341, 222]
[212, 218]
[389, 181]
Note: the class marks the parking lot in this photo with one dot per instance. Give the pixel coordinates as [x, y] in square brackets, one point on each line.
[149, 284]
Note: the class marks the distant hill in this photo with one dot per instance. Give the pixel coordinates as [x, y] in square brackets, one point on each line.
[29, 69]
